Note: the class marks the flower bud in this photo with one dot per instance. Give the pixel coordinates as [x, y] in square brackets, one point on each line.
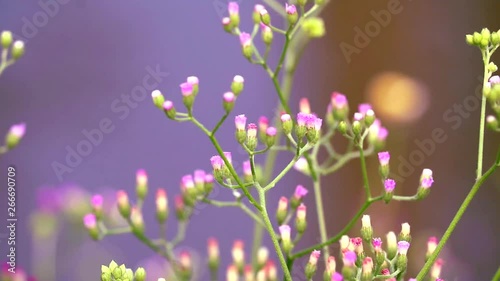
[342, 127]
[186, 265]
[485, 34]
[477, 38]
[17, 50]
[311, 266]
[251, 136]
[14, 135]
[369, 118]
[237, 85]
[357, 127]
[367, 269]
[262, 256]
[227, 25]
[335, 276]
[270, 136]
[141, 179]
[90, 223]
[137, 221]
[256, 13]
[314, 27]
[495, 38]
[402, 259]
[300, 219]
[302, 166]
[180, 208]
[301, 2]
[282, 210]
[6, 39]
[140, 274]
[265, 17]
[436, 269]
[238, 254]
[392, 245]
[234, 15]
[357, 242]
[158, 99]
[304, 105]
[248, 273]
[247, 171]
[266, 34]
[431, 247]
[345, 243]
[492, 67]
[426, 182]
[301, 129]
[377, 248]
[331, 267]
[286, 241]
[291, 14]
[217, 165]
[286, 123]
[96, 202]
[340, 107]
[349, 269]
[263, 125]
[383, 158]
[209, 183]
[228, 101]
[199, 181]
[168, 107]
[404, 235]
[161, 205]
[246, 45]
[389, 185]
[187, 95]
[366, 228]
[492, 122]
[271, 271]
[313, 127]
[123, 203]
[299, 193]
[232, 273]
[213, 253]
[469, 39]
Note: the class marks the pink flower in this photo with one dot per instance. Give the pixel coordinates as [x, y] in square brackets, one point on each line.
[187, 182]
[337, 277]
[382, 133]
[389, 185]
[247, 168]
[285, 232]
[290, 9]
[209, 178]
[403, 247]
[494, 80]
[18, 130]
[199, 177]
[97, 201]
[338, 100]
[317, 124]
[90, 221]
[313, 259]
[245, 39]
[300, 192]
[383, 158]
[258, 7]
[217, 162]
[302, 118]
[228, 97]
[263, 123]
[349, 258]
[186, 89]
[233, 8]
[285, 118]
[141, 177]
[193, 80]
[228, 157]
[252, 130]
[364, 107]
[377, 244]
[426, 179]
[167, 105]
[271, 131]
[240, 122]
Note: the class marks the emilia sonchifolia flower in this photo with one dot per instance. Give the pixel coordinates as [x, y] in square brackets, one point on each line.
[14, 135]
[298, 195]
[311, 266]
[426, 181]
[282, 210]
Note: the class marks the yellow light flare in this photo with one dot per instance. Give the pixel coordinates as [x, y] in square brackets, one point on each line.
[397, 98]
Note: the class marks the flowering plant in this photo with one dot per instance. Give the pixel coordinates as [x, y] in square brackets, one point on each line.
[302, 135]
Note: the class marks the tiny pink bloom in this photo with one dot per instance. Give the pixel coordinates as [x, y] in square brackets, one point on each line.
[313, 259]
[238, 79]
[317, 124]
[389, 185]
[240, 122]
[187, 182]
[358, 116]
[167, 105]
[245, 39]
[193, 80]
[377, 244]
[383, 158]
[247, 168]
[228, 97]
[290, 9]
[426, 179]
[382, 133]
[495, 80]
[141, 177]
[310, 121]
[90, 221]
[97, 201]
[283, 203]
[302, 118]
[301, 212]
[226, 21]
[252, 130]
[18, 130]
[265, 28]
[285, 232]
[258, 7]
[304, 105]
[199, 177]
[364, 107]
[403, 247]
[337, 277]
[300, 192]
[271, 131]
[349, 258]
[233, 8]
[285, 118]
[228, 157]
[217, 162]
[263, 12]
[186, 89]
[209, 178]
[155, 94]
[263, 122]
[339, 101]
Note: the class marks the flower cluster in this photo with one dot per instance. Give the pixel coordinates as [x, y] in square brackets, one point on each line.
[115, 272]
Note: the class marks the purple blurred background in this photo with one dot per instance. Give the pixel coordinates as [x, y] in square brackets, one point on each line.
[88, 56]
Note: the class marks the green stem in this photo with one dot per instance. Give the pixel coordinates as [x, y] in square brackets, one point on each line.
[454, 222]
[287, 168]
[337, 237]
[486, 61]
[321, 217]
[272, 233]
[366, 183]
[496, 277]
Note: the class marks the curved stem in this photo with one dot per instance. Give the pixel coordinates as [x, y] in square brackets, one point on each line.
[486, 61]
[428, 264]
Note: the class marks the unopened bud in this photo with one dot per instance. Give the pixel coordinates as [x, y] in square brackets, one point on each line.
[262, 256]
[237, 85]
[168, 107]
[286, 123]
[158, 99]
[228, 101]
[265, 17]
[291, 14]
[238, 254]
[161, 205]
[404, 235]
[97, 202]
[15, 135]
[90, 223]
[492, 122]
[251, 136]
[123, 203]
[311, 266]
[6, 39]
[141, 179]
[270, 136]
[431, 247]
[286, 241]
[314, 27]
[137, 220]
[140, 274]
[366, 228]
[392, 245]
[426, 181]
[282, 210]
[17, 50]
[300, 219]
[367, 269]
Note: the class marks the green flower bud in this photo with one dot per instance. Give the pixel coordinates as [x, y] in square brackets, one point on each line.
[469, 39]
[356, 127]
[301, 2]
[6, 39]
[495, 38]
[477, 38]
[237, 85]
[17, 50]
[492, 123]
[484, 43]
[267, 35]
[14, 135]
[112, 266]
[265, 17]
[342, 127]
[485, 33]
[314, 27]
[492, 67]
[158, 99]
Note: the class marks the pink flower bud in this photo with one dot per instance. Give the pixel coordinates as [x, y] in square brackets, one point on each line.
[238, 252]
[213, 248]
[377, 244]
[240, 122]
[290, 9]
[349, 258]
[161, 200]
[426, 179]
[331, 265]
[313, 258]
[383, 158]
[97, 202]
[494, 80]
[382, 134]
[338, 100]
[300, 192]
[367, 265]
[364, 107]
[233, 8]
[228, 157]
[187, 182]
[141, 177]
[229, 97]
[245, 39]
[186, 89]
[304, 106]
[358, 116]
[258, 7]
[18, 130]
[271, 271]
[271, 131]
[217, 162]
[193, 80]
[252, 130]
[337, 277]
[226, 22]
[185, 260]
[90, 221]
[302, 119]
[389, 185]
[436, 268]
[431, 245]
[301, 212]
[358, 244]
[168, 105]
[122, 198]
[232, 273]
[285, 232]
[285, 117]
[247, 169]
[199, 177]
[238, 79]
[403, 247]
